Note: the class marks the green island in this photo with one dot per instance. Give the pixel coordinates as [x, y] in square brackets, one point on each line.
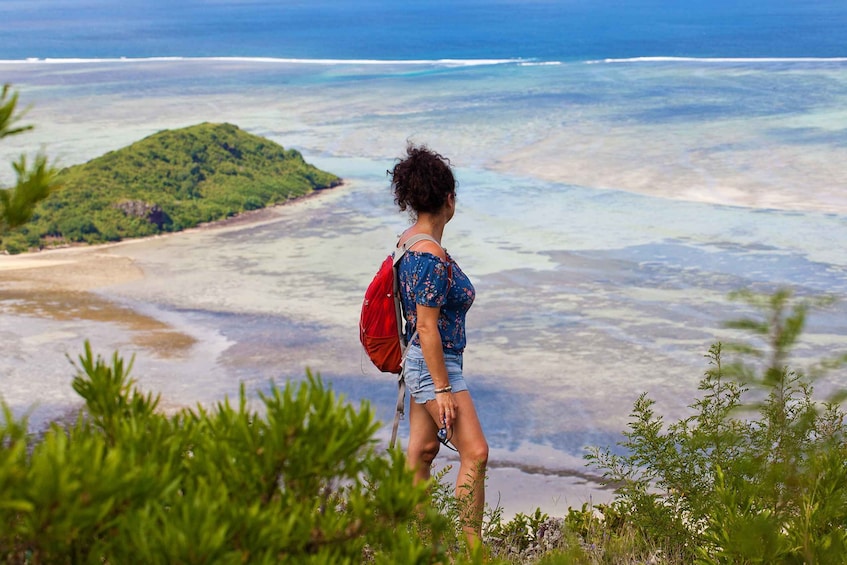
[167, 182]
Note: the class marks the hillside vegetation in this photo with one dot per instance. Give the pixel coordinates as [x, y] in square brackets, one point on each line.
[169, 181]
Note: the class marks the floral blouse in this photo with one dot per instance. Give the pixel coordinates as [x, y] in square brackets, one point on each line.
[424, 280]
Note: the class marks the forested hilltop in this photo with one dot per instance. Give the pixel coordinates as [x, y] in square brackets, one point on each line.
[169, 181]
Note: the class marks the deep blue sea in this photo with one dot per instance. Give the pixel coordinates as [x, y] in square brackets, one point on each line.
[623, 166]
[545, 30]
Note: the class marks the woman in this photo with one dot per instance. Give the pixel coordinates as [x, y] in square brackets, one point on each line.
[436, 295]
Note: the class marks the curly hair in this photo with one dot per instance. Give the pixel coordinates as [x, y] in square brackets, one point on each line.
[422, 181]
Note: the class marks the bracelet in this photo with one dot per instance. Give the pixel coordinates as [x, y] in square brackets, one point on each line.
[447, 388]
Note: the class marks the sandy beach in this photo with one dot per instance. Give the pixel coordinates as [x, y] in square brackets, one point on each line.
[60, 283]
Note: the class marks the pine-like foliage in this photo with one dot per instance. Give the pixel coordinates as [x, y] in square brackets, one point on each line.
[298, 480]
[35, 181]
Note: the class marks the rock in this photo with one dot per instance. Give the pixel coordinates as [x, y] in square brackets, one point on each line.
[153, 213]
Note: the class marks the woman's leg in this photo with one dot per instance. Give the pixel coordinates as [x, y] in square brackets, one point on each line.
[473, 453]
[423, 441]
[469, 440]
[466, 435]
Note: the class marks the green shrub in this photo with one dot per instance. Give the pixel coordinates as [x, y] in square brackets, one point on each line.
[15, 243]
[757, 474]
[78, 228]
[298, 481]
[36, 179]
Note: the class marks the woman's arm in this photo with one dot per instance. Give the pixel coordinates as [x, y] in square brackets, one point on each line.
[430, 340]
[433, 354]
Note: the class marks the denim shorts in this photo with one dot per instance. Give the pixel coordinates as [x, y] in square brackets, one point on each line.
[419, 381]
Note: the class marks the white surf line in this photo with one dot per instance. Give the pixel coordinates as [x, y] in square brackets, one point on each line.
[722, 60]
[270, 60]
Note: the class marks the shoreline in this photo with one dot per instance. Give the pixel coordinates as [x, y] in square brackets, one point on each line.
[60, 283]
[250, 218]
[41, 258]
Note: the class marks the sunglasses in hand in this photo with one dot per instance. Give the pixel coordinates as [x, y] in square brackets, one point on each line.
[444, 436]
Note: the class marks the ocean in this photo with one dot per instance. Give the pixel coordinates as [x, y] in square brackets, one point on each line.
[622, 167]
[432, 29]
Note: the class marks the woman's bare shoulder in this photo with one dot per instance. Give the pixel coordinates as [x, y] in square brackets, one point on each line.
[427, 246]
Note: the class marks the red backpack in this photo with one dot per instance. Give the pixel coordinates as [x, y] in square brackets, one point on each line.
[381, 320]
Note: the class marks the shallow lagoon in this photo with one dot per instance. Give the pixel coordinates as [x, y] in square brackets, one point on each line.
[605, 212]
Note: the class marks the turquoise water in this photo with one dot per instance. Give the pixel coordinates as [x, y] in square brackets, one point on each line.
[608, 202]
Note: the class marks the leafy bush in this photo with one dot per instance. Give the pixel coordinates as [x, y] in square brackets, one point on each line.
[77, 229]
[299, 481]
[757, 474]
[15, 243]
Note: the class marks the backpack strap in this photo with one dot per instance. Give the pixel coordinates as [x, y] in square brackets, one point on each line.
[411, 242]
[399, 251]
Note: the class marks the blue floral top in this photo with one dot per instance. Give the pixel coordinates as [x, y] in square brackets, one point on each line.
[424, 280]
